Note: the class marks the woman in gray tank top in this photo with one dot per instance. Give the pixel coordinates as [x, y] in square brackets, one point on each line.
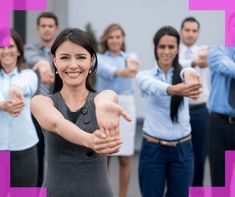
[80, 126]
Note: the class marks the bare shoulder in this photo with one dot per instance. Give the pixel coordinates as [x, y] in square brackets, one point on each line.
[41, 100]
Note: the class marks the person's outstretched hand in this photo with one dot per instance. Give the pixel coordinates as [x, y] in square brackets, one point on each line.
[108, 114]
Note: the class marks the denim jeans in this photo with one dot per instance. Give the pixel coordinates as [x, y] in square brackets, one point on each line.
[160, 165]
[199, 119]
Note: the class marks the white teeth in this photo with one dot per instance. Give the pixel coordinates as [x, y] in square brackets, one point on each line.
[73, 75]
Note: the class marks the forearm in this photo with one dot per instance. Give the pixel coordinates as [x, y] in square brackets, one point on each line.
[52, 120]
[150, 85]
[106, 95]
[220, 61]
[71, 132]
[27, 82]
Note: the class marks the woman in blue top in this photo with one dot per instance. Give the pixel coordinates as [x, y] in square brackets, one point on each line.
[166, 153]
[18, 134]
[116, 71]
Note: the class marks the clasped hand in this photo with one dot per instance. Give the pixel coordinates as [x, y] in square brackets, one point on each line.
[15, 102]
[107, 139]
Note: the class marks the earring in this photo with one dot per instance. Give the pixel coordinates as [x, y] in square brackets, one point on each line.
[89, 71]
[56, 72]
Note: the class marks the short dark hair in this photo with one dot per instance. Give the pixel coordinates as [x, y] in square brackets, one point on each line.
[83, 39]
[190, 19]
[48, 15]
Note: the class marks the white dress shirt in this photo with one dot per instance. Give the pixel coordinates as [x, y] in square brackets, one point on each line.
[186, 56]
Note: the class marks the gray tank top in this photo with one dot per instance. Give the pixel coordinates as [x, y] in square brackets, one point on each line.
[73, 170]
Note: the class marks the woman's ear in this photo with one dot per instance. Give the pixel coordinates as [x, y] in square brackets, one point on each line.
[93, 59]
[54, 60]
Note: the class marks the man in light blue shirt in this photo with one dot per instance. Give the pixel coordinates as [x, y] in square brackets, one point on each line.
[38, 58]
[221, 62]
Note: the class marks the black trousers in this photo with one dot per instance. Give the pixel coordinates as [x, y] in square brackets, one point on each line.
[40, 151]
[24, 167]
[221, 137]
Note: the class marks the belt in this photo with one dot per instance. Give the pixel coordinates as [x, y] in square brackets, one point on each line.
[197, 106]
[227, 118]
[167, 143]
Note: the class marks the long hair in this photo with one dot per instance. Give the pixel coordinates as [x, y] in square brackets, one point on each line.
[81, 38]
[176, 101]
[20, 62]
[105, 36]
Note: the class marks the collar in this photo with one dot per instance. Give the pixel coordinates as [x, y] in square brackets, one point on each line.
[13, 73]
[157, 70]
[121, 54]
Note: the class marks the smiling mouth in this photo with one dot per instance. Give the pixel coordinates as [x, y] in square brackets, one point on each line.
[73, 74]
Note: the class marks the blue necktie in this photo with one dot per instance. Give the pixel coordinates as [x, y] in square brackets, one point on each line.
[232, 93]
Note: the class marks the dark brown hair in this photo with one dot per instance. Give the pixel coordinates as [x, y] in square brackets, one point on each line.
[83, 39]
[20, 63]
[176, 101]
[48, 15]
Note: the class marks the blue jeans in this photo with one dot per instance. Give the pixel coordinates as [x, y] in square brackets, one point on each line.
[163, 164]
[199, 119]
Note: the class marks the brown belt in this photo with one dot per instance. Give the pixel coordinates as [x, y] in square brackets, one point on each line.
[229, 119]
[167, 143]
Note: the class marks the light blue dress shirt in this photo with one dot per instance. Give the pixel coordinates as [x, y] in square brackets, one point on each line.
[18, 133]
[221, 61]
[107, 66]
[157, 123]
[33, 54]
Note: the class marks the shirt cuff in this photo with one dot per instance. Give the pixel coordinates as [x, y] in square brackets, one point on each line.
[185, 69]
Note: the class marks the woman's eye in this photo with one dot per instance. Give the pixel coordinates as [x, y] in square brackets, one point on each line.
[82, 57]
[64, 58]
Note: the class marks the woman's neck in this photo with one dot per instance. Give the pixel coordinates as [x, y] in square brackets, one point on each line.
[114, 53]
[74, 98]
[47, 44]
[8, 69]
[165, 68]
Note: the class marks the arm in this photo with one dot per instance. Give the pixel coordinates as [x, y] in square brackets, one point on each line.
[32, 55]
[108, 71]
[150, 85]
[27, 82]
[153, 86]
[108, 112]
[201, 61]
[104, 69]
[38, 63]
[52, 120]
[220, 61]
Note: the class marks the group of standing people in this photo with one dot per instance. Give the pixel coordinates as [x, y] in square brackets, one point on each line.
[78, 126]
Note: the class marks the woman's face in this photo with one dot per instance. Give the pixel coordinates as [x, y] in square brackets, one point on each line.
[8, 56]
[115, 41]
[73, 63]
[166, 51]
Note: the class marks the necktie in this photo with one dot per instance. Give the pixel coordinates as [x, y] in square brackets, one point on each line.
[188, 55]
[232, 93]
